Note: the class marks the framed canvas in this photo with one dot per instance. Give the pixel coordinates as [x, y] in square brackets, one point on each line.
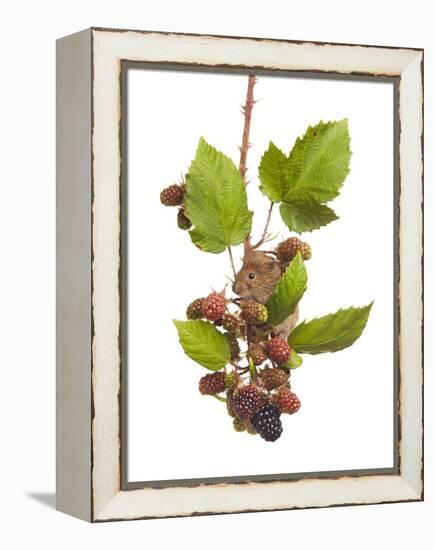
[239, 294]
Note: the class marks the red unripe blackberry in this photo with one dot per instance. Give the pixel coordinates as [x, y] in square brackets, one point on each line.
[287, 401]
[194, 310]
[182, 220]
[173, 195]
[247, 401]
[287, 250]
[257, 354]
[212, 384]
[267, 422]
[278, 350]
[273, 378]
[253, 312]
[213, 307]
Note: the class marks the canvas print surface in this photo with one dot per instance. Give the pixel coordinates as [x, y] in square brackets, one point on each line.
[260, 274]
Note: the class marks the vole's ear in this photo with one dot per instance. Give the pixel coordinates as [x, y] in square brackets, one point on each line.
[248, 249]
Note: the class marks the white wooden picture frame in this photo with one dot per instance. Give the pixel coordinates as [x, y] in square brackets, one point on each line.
[91, 481]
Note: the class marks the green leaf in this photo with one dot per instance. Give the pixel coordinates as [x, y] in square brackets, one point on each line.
[216, 201]
[319, 163]
[208, 244]
[294, 362]
[330, 333]
[203, 343]
[306, 216]
[288, 292]
[272, 173]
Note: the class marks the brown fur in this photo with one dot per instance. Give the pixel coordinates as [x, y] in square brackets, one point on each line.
[267, 273]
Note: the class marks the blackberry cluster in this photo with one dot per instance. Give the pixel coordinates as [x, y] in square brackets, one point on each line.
[255, 381]
[174, 195]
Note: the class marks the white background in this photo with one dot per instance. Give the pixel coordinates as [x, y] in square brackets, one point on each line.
[27, 303]
[346, 419]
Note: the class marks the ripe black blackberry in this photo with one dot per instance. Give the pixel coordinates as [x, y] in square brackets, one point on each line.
[267, 422]
[246, 402]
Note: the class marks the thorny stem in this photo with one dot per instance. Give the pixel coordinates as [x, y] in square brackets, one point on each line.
[232, 262]
[267, 223]
[247, 110]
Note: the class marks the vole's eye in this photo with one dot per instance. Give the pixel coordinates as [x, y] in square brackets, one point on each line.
[251, 275]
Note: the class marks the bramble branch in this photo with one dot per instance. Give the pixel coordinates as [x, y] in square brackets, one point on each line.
[247, 111]
[265, 235]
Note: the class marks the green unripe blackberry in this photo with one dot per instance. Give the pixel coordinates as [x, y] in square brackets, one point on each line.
[194, 310]
[273, 378]
[257, 354]
[230, 322]
[253, 312]
[230, 403]
[232, 379]
[233, 344]
[243, 426]
[239, 425]
[287, 250]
